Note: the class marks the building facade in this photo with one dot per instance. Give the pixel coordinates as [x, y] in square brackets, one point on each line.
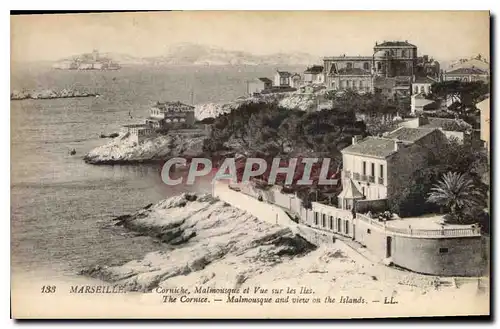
[167, 114]
[314, 75]
[259, 85]
[348, 72]
[466, 74]
[377, 168]
[282, 79]
[422, 85]
[395, 58]
[484, 108]
[389, 70]
[138, 132]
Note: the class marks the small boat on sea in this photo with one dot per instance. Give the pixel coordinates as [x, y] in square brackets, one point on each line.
[73, 152]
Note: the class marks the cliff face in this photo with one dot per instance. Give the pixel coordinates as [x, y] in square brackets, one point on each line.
[123, 149]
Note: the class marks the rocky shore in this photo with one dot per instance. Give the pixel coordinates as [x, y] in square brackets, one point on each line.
[291, 100]
[123, 150]
[206, 242]
[49, 94]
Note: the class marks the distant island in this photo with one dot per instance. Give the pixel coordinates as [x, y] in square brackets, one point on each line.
[91, 61]
[183, 54]
[49, 94]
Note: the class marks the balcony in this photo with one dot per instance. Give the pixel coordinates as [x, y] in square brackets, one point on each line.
[381, 180]
[347, 174]
[364, 178]
[371, 179]
[356, 175]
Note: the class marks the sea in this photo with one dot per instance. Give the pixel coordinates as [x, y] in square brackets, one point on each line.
[61, 207]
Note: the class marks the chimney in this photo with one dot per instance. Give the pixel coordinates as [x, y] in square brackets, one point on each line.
[356, 139]
[398, 145]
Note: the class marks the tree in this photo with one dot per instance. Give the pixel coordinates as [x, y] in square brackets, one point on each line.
[458, 194]
[463, 95]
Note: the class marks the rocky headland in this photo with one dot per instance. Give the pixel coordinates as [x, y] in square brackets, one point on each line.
[291, 100]
[49, 94]
[205, 242]
[123, 149]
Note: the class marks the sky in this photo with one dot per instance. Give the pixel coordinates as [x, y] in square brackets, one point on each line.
[445, 35]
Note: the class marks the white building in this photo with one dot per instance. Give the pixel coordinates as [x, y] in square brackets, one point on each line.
[422, 85]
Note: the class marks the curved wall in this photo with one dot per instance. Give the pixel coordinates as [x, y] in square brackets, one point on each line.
[439, 256]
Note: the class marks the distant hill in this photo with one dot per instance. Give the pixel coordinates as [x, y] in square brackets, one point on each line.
[195, 54]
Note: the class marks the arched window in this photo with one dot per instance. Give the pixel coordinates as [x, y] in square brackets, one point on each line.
[366, 66]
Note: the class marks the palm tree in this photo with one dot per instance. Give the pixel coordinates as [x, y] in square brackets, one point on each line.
[458, 194]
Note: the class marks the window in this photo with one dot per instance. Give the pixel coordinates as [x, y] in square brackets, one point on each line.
[443, 250]
[339, 224]
[373, 169]
[368, 231]
[316, 220]
[403, 53]
[366, 66]
[323, 220]
[364, 167]
[346, 227]
[379, 66]
[381, 174]
[363, 190]
[334, 68]
[349, 66]
[331, 222]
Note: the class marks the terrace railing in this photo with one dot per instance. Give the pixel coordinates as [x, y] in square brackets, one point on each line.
[445, 232]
